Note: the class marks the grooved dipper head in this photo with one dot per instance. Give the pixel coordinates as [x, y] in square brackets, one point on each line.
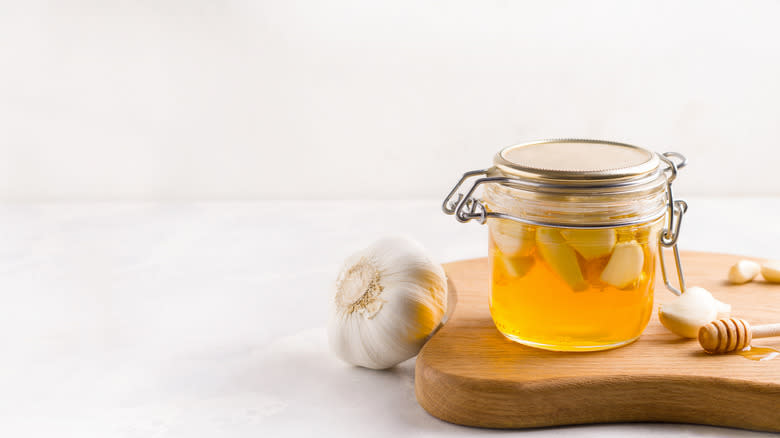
[725, 335]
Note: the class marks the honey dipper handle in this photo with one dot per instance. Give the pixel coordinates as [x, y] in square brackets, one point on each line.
[766, 330]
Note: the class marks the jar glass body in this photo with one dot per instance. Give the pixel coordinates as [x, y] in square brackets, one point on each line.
[564, 286]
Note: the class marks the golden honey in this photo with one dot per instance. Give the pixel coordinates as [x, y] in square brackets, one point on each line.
[558, 293]
[759, 353]
[575, 230]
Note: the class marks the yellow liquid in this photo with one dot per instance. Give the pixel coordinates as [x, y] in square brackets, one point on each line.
[532, 303]
[759, 353]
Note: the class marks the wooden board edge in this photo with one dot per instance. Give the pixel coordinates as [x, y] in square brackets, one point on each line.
[615, 399]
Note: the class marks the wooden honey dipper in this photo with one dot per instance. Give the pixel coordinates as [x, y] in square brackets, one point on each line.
[733, 334]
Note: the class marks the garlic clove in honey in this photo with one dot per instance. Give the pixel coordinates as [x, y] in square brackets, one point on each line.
[560, 257]
[389, 298]
[771, 271]
[690, 311]
[512, 238]
[625, 265]
[743, 271]
[517, 266]
[591, 244]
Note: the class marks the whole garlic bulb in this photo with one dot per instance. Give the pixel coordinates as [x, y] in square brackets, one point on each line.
[389, 298]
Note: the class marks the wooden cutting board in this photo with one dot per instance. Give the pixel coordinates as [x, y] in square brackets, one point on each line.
[469, 374]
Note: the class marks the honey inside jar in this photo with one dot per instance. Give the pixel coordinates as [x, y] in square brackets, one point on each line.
[575, 230]
[569, 289]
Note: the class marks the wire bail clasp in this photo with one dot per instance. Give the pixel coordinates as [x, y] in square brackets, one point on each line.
[465, 207]
[676, 208]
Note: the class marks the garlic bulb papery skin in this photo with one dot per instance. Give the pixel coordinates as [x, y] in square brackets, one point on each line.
[389, 298]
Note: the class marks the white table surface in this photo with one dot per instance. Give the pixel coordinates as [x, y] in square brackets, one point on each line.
[206, 319]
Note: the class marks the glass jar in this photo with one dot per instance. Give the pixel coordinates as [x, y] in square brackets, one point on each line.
[575, 228]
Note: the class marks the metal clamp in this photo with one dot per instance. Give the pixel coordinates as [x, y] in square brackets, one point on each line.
[473, 207]
[671, 232]
[466, 207]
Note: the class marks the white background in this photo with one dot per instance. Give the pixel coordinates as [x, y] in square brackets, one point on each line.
[132, 318]
[360, 99]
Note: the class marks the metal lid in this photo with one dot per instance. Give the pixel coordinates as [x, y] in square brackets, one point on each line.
[577, 162]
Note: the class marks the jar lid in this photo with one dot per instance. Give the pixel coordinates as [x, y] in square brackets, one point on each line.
[577, 162]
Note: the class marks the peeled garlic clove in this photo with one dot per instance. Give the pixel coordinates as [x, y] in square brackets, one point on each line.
[512, 238]
[591, 244]
[560, 257]
[692, 310]
[771, 271]
[389, 298]
[743, 271]
[517, 266]
[625, 265]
